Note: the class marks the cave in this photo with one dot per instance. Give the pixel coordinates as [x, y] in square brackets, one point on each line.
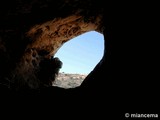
[30, 35]
[32, 31]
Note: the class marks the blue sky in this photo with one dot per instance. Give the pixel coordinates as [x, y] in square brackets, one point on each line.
[82, 53]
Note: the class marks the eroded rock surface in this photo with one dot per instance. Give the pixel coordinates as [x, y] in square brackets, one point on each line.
[33, 31]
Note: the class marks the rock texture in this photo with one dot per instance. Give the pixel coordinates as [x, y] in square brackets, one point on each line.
[33, 31]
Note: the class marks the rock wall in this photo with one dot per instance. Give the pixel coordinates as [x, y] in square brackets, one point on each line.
[33, 31]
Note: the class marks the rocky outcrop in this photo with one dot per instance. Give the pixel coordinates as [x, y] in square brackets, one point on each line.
[68, 80]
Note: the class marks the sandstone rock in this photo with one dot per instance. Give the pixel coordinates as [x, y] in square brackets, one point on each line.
[33, 31]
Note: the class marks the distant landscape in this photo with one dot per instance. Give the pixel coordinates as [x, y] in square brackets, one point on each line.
[66, 80]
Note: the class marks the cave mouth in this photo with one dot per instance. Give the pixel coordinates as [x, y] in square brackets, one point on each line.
[79, 56]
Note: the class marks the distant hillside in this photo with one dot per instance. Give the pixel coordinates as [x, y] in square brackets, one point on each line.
[66, 80]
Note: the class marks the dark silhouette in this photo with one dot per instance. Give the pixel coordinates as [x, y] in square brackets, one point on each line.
[49, 69]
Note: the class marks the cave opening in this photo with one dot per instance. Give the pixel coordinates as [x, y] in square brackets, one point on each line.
[79, 56]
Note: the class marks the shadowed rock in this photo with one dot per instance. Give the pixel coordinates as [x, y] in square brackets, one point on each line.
[32, 32]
